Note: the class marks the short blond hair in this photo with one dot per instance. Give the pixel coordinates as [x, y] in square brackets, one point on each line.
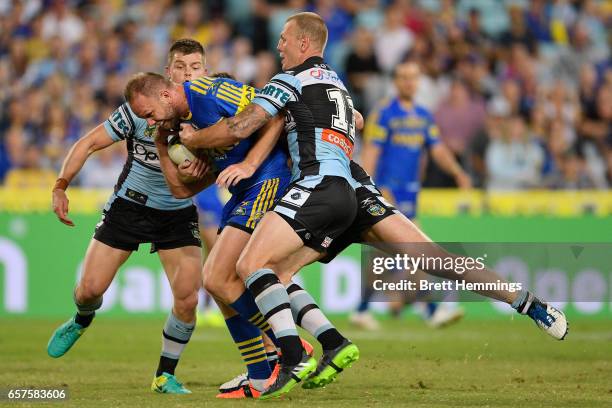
[145, 83]
[311, 25]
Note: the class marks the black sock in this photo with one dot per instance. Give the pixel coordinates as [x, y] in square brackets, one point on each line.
[84, 320]
[292, 349]
[272, 357]
[166, 365]
[330, 339]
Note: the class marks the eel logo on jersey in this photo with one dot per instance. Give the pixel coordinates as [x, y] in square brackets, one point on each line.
[276, 92]
[376, 210]
[241, 210]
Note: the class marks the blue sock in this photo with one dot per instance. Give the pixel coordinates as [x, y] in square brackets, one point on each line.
[431, 309]
[246, 306]
[365, 300]
[250, 344]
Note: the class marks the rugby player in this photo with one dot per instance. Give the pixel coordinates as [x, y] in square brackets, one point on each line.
[395, 231]
[319, 204]
[142, 209]
[396, 133]
[203, 102]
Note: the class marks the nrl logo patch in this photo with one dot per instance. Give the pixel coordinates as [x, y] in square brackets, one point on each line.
[150, 131]
[376, 210]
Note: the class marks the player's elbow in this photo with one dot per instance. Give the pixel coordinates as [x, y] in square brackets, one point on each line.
[181, 193]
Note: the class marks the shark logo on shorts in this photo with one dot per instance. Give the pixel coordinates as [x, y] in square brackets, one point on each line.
[195, 230]
[376, 210]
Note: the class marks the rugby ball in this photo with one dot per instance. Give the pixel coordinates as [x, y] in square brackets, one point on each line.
[178, 152]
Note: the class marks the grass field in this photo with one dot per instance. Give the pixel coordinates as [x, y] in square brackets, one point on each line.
[477, 363]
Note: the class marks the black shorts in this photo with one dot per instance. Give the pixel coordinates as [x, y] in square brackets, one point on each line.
[126, 224]
[319, 209]
[372, 208]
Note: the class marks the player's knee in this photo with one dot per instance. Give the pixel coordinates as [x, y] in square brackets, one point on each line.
[283, 275]
[187, 304]
[246, 265]
[88, 291]
[218, 284]
[211, 285]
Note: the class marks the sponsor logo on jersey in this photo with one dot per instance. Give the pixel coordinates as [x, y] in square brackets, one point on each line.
[367, 202]
[120, 121]
[325, 75]
[147, 154]
[338, 139]
[276, 92]
[326, 242]
[136, 196]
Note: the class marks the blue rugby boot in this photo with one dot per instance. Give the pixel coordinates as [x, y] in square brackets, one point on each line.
[548, 318]
[64, 337]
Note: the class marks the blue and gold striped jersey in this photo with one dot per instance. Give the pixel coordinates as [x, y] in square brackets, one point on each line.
[212, 99]
[401, 134]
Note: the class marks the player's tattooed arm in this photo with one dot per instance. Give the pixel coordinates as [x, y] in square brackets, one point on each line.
[248, 121]
[267, 139]
[227, 132]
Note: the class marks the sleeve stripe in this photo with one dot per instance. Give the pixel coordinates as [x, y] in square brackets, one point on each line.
[203, 81]
[231, 90]
[272, 101]
[119, 134]
[228, 96]
[199, 88]
[226, 99]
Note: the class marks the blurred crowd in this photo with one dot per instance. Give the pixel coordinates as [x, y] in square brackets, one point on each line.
[521, 90]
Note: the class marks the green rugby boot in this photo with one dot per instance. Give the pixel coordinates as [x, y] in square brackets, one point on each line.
[288, 376]
[168, 384]
[332, 363]
[64, 337]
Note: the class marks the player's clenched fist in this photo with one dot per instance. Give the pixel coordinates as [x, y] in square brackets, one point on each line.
[192, 170]
[187, 134]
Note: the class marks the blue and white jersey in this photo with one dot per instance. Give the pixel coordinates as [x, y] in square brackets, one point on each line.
[321, 124]
[141, 180]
